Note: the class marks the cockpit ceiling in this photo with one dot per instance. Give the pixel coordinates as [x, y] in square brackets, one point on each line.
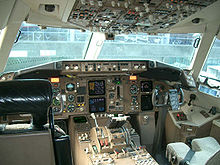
[131, 16]
[124, 16]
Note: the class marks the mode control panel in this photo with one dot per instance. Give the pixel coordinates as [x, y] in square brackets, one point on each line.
[91, 67]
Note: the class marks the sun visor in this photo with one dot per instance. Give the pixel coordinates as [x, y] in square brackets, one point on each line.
[5, 11]
[218, 35]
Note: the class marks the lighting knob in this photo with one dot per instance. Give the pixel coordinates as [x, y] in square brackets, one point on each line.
[86, 135]
[3, 78]
[113, 3]
[91, 2]
[126, 5]
[141, 14]
[83, 2]
[136, 67]
[100, 3]
[151, 18]
[147, 9]
[145, 4]
[137, 8]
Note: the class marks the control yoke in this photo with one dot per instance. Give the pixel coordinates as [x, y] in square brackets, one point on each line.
[60, 97]
[162, 98]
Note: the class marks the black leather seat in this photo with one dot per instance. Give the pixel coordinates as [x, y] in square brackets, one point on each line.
[26, 96]
[35, 146]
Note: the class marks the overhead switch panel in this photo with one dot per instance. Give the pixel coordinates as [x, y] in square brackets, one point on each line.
[131, 16]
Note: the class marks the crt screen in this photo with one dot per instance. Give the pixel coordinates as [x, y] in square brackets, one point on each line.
[96, 87]
[97, 104]
[146, 102]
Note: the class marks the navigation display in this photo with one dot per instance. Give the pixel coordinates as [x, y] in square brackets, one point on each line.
[96, 87]
[146, 86]
[146, 102]
[97, 104]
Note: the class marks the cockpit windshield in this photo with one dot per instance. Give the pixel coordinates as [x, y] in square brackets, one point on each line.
[174, 49]
[39, 46]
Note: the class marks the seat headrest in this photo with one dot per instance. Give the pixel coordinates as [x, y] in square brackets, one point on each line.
[26, 96]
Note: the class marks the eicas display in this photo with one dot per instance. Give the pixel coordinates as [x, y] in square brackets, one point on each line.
[96, 87]
[97, 104]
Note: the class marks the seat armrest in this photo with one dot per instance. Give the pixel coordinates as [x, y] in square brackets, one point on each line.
[176, 152]
[206, 143]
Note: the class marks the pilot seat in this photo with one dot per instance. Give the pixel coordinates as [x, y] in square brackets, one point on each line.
[205, 151]
[34, 143]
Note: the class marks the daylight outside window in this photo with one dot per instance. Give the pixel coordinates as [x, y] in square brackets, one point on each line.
[36, 47]
[0, 33]
[174, 49]
[211, 71]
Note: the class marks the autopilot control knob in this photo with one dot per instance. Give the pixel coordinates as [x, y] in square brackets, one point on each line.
[113, 3]
[136, 67]
[86, 150]
[126, 5]
[100, 3]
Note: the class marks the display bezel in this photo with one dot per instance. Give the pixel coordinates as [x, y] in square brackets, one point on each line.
[146, 102]
[149, 89]
[97, 111]
[93, 93]
[68, 89]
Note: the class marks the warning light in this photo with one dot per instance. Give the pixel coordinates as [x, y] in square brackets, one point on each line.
[55, 80]
[133, 78]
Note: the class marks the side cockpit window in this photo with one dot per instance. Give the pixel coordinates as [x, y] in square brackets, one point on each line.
[210, 74]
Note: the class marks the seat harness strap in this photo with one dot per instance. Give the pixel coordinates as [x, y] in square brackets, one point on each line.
[187, 158]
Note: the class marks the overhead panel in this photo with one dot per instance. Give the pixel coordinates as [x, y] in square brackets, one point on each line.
[130, 16]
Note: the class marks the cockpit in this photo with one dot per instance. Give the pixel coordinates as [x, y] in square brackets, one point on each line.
[97, 82]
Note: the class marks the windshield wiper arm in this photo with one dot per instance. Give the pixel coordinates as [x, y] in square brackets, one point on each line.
[207, 83]
[18, 36]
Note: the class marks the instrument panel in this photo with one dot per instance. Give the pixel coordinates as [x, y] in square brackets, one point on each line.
[111, 87]
[84, 87]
